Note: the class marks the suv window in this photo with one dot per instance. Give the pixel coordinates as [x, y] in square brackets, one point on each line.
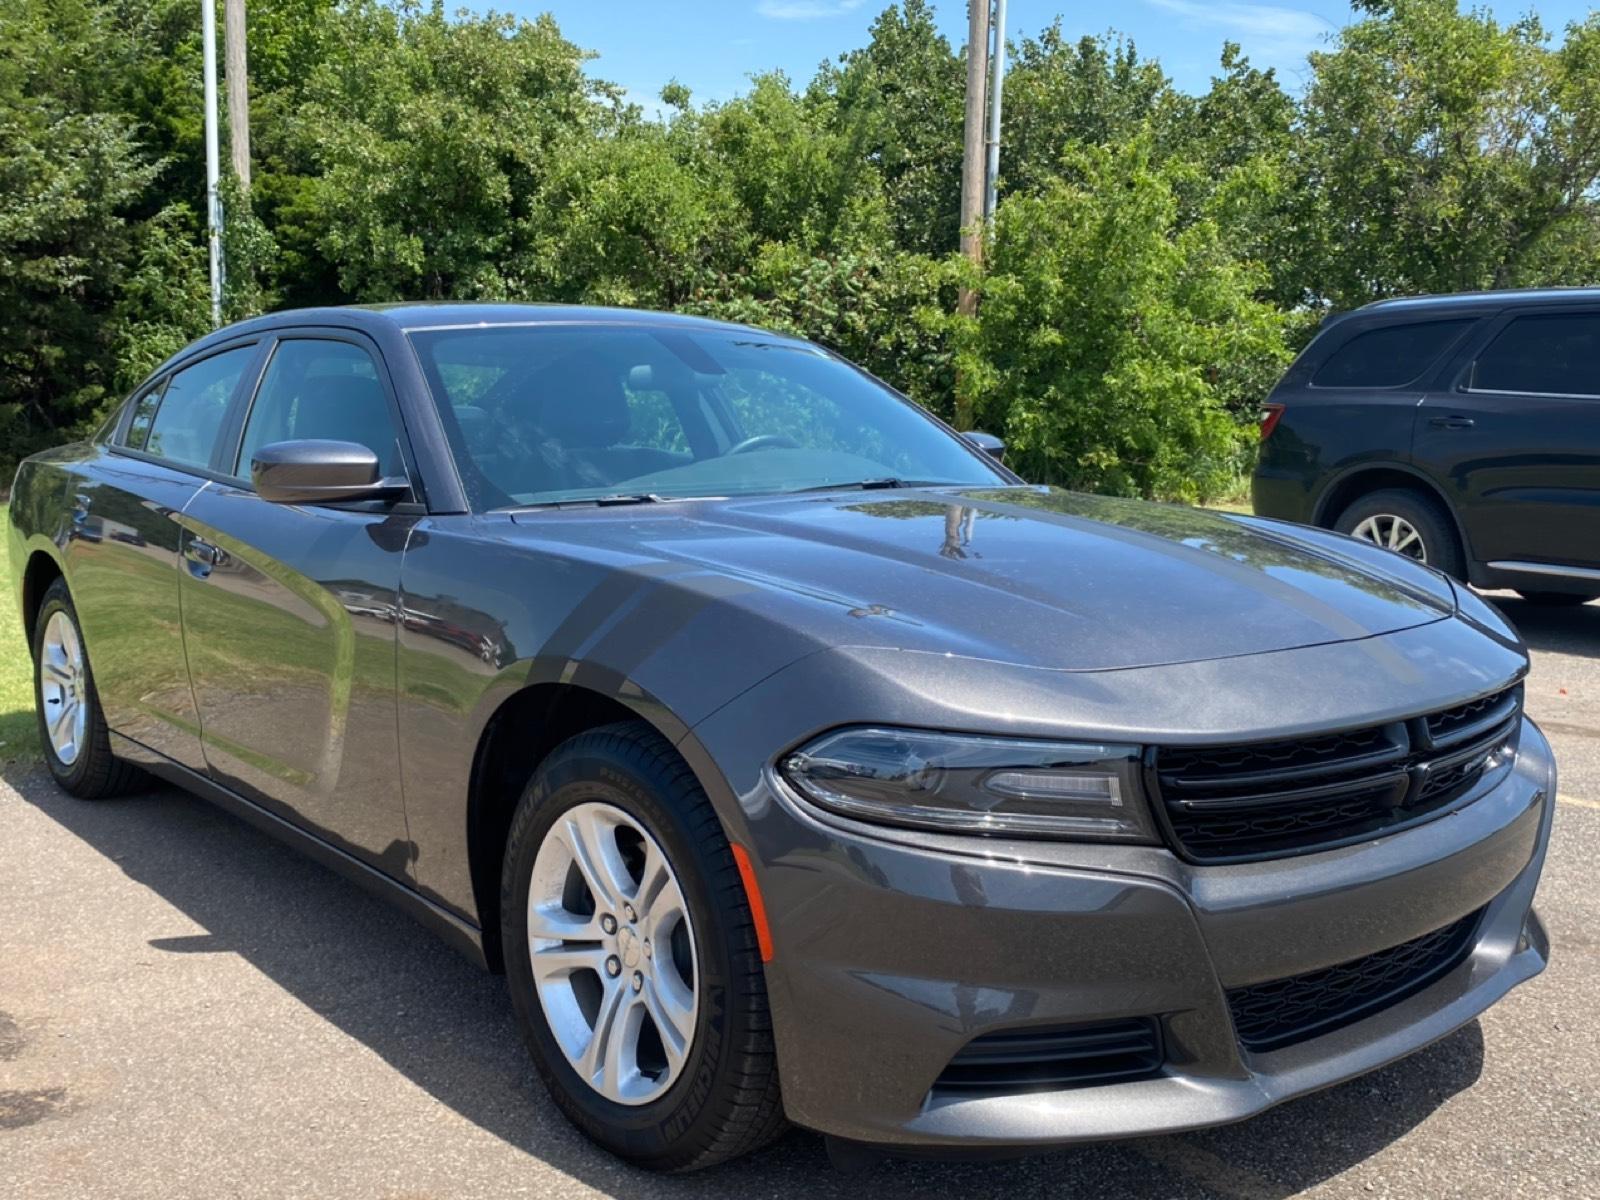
[1555, 355]
[188, 415]
[1388, 357]
[315, 388]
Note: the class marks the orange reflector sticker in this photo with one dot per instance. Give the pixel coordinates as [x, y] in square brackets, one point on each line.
[758, 910]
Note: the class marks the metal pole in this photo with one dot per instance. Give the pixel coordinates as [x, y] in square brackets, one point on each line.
[208, 36]
[972, 156]
[238, 77]
[997, 85]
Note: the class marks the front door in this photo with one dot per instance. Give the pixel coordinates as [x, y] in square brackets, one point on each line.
[1518, 440]
[289, 613]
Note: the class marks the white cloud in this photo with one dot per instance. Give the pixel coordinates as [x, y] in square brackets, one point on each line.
[806, 10]
[1268, 31]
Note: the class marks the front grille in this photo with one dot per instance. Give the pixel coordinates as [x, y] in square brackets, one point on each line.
[1035, 1060]
[1264, 800]
[1267, 1016]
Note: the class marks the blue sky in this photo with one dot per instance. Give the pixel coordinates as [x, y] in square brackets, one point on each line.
[715, 45]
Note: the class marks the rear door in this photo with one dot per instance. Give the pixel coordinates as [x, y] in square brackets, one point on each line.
[289, 611]
[123, 553]
[1516, 440]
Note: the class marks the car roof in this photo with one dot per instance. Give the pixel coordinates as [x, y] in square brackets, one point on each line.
[416, 315]
[1508, 297]
[411, 316]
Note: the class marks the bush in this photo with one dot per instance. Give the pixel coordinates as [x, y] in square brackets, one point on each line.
[1116, 350]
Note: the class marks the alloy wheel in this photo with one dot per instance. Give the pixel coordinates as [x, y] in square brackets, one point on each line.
[64, 688]
[1393, 533]
[613, 953]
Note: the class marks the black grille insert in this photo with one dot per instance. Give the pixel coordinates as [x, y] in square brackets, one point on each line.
[1267, 1016]
[1263, 800]
[1038, 1060]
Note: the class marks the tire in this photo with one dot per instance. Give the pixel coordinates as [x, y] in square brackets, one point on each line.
[1559, 599]
[723, 1099]
[88, 769]
[1426, 516]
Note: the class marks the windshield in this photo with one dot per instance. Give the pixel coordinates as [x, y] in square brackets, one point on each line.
[552, 413]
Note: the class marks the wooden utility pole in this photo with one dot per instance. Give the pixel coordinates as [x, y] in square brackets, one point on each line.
[238, 91]
[208, 60]
[973, 154]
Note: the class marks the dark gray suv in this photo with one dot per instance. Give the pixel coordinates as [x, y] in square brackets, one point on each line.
[1462, 431]
[792, 758]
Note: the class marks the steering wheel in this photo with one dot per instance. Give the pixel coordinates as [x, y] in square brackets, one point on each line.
[764, 441]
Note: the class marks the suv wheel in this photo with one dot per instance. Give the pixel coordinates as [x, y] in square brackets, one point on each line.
[631, 956]
[1408, 523]
[72, 729]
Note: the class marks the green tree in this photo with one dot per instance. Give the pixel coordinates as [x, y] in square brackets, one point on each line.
[429, 135]
[1447, 151]
[898, 102]
[1117, 349]
[1059, 94]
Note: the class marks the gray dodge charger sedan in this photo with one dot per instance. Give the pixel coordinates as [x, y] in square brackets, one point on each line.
[792, 758]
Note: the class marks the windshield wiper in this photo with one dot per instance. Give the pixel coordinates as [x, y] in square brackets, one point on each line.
[873, 485]
[605, 501]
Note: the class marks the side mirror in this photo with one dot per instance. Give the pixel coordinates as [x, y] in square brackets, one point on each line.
[994, 447]
[317, 472]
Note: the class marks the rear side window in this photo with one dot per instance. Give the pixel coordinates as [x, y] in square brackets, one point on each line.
[189, 414]
[144, 411]
[1388, 357]
[322, 389]
[1557, 355]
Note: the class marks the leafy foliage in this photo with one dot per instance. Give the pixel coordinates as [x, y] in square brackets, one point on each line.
[1118, 348]
[1156, 258]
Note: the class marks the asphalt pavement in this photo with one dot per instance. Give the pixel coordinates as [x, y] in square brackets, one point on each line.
[189, 1009]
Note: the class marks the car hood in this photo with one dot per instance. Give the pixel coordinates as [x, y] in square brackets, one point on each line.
[1031, 575]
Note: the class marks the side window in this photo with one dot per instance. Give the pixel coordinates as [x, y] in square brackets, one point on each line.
[322, 389]
[144, 411]
[1388, 357]
[1557, 355]
[190, 411]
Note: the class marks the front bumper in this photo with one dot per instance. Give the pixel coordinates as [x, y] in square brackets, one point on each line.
[892, 953]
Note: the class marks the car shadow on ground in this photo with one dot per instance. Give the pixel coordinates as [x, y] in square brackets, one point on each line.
[1557, 629]
[448, 1028]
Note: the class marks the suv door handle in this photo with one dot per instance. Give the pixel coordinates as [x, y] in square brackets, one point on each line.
[1451, 422]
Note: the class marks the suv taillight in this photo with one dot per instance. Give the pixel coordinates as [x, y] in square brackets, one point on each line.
[1269, 419]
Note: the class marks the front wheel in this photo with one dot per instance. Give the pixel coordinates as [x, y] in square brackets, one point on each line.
[632, 958]
[1408, 523]
[72, 728]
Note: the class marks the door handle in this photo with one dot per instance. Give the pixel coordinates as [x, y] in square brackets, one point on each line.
[203, 556]
[1451, 422]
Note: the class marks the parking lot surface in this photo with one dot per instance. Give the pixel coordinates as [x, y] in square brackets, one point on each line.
[188, 1009]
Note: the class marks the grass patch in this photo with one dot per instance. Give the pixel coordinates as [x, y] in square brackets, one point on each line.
[19, 734]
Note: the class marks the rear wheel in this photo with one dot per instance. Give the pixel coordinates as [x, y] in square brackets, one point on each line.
[72, 729]
[1559, 599]
[1408, 523]
[631, 956]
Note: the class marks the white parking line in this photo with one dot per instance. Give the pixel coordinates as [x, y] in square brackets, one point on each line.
[1575, 802]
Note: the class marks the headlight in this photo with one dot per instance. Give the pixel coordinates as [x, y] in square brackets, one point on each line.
[960, 783]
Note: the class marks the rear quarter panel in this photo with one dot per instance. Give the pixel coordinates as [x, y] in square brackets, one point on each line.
[39, 518]
[1325, 433]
